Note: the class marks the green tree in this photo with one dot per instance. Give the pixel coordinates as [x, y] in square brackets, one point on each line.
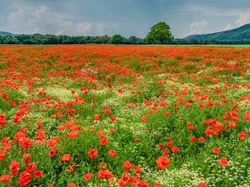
[102, 39]
[50, 39]
[37, 38]
[117, 39]
[25, 39]
[160, 32]
[9, 40]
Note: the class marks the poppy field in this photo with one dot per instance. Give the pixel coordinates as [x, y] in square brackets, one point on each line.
[139, 116]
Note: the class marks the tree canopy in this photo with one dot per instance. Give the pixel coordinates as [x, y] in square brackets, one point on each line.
[159, 32]
[117, 39]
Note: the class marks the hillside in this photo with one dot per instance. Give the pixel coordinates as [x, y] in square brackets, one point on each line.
[239, 34]
[5, 33]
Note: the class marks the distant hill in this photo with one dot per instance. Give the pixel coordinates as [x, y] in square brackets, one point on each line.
[239, 34]
[5, 33]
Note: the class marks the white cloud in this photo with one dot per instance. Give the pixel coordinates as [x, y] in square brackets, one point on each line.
[99, 29]
[83, 28]
[243, 15]
[244, 18]
[197, 27]
[239, 17]
[197, 24]
[229, 26]
[47, 21]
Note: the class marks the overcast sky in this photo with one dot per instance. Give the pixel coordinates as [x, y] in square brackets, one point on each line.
[126, 17]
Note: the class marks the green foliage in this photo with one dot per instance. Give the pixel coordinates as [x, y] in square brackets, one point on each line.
[2, 57]
[4, 106]
[93, 56]
[135, 63]
[135, 40]
[168, 62]
[179, 57]
[160, 32]
[247, 77]
[4, 65]
[117, 39]
[190, 66]
[8, 40]
[26, 39]
[50, 39]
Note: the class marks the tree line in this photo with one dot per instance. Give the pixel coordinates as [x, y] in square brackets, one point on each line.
[64, 39]
[116, 39]
[159, 33]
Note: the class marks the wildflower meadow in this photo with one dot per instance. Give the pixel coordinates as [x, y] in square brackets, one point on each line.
[136, 116]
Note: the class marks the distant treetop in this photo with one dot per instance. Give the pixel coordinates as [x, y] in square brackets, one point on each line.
[159, 32]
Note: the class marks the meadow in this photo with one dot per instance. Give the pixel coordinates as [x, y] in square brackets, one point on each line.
[140, 116]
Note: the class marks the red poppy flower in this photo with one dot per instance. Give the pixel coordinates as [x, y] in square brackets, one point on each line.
[103, 165]
[216, 150]
[190, 126]
[31, 167]
[166, 152]
[93, 153]
[201, 139]
[97, 117]
[66, 158]
[24, 178]
[71, 185]
[127, 165]
[144, 184]
[144, 118]
[175, 149]
[103, 140]
[137, 169]
[223, 161]
[73, 134]
[14, 167]
[53, 152]
[202, 184]
[161, 145]
[242, 135]
[162, 161]
[100, 133]
[193, 139]
[157, 184]
[160, 165]
[38, 173]
[2, 155]
[104, 174]
[232, 124]
[112, 153]
[88, 176]
[113, 118]
[137, 139]
[5, 178]
[166, 113]
[71, 168]
[53, 141]
[169, 143]
[26, 143]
